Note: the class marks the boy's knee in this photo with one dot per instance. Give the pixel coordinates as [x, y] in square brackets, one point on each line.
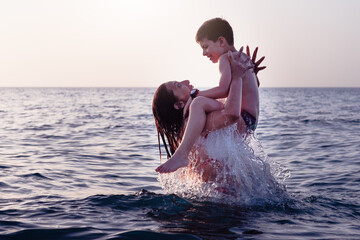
[198, 104]
[199, 101]
[206, 104]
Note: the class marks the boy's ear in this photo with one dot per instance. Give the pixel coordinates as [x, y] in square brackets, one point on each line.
[179, 105]
[222, 41]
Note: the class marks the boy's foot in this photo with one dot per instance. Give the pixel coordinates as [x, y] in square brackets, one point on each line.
[173, 164]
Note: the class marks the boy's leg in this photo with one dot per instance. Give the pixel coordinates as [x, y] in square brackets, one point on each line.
[197, 118]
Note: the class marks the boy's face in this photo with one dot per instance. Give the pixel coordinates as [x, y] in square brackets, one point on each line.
[212, 50]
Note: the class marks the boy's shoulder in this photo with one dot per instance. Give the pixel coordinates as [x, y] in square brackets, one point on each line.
[223, 60]
[224, 57]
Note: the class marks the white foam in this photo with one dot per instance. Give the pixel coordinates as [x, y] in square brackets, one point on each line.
[227, 166]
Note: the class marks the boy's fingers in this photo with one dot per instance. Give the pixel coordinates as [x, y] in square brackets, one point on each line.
[254, 54]
[248, 50]
[260, 61]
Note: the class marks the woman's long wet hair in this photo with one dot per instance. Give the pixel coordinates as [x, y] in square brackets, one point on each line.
[168, 120]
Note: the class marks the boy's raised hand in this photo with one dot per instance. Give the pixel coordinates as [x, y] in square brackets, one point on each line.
[253, 59]
[239, 66]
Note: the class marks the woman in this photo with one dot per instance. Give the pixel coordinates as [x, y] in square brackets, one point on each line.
[170, 99]
[222, 163]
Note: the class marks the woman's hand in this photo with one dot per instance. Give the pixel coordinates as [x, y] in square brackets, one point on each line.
[239, 66]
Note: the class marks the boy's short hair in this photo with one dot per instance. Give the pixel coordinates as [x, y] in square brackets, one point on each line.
[213, 29]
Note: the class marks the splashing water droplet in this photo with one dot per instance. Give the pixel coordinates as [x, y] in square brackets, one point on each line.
[227, 166]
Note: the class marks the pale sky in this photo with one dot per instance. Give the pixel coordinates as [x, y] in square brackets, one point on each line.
[142, 43]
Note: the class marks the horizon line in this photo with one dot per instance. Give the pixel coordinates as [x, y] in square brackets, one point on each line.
[157, 86]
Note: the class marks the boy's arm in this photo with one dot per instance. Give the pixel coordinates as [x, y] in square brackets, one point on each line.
[222, 90]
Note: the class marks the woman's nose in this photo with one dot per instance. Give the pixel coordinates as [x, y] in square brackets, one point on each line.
[186, 82]
[204, 52]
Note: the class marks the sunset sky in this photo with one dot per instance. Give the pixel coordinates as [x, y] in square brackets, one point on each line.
[134, 43]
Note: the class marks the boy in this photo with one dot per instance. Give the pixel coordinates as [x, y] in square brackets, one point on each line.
[215, 37]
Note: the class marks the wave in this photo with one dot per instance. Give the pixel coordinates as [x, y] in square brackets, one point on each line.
[36, 176]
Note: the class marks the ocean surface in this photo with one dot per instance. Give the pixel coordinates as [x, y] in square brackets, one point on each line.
[78, 163]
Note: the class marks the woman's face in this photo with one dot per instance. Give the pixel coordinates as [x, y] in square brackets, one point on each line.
[181, 89]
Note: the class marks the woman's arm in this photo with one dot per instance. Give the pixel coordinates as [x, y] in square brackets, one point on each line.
[231, 112]
[196, 121]
[218, 119]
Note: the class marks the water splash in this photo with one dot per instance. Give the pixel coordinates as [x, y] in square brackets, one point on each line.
[227, 166]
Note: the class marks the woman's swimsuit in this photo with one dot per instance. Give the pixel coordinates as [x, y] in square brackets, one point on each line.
[249, 120]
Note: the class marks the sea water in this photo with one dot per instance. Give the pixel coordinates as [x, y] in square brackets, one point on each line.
[78, 163]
